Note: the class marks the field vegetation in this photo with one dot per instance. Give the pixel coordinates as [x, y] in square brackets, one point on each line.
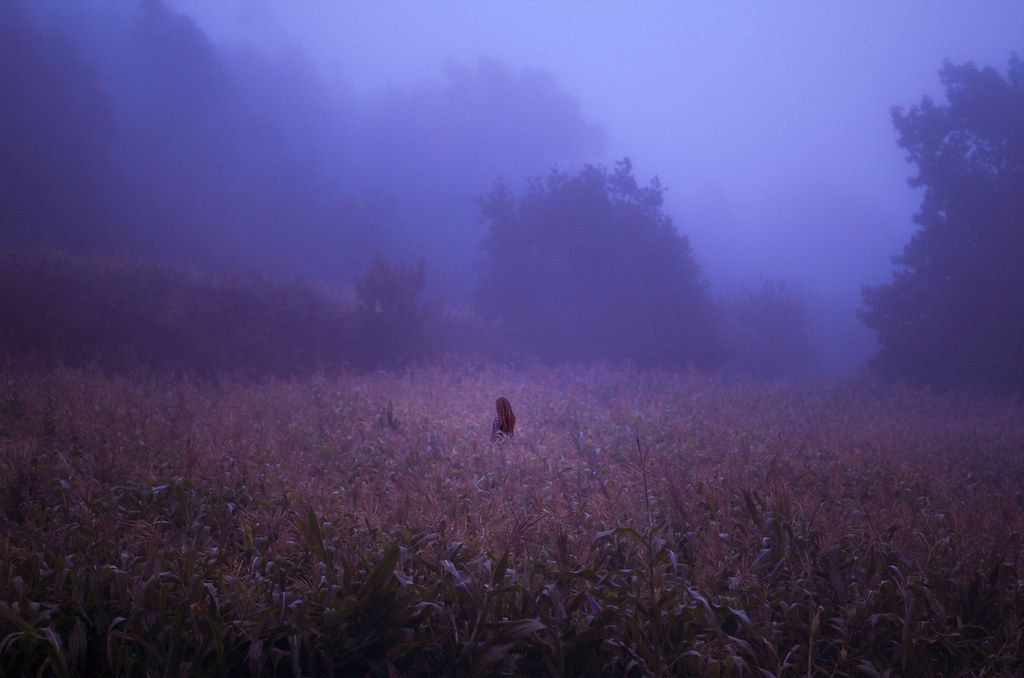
[641, 523]
[253, 323]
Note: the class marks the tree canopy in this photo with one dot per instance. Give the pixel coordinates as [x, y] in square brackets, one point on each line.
[587, 266]
[56, 171]
[771, 331]
[388, 314]
[953, 312]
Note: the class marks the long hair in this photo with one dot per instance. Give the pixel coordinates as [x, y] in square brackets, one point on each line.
[506, 417]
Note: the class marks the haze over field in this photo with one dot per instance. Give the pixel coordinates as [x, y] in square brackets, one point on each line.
[304, 139]
[768, 122]
[535, 338]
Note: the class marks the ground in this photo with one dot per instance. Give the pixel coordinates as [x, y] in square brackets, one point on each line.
[639, 523]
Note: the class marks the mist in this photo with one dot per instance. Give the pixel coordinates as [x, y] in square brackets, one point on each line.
[303, 141]
[511, 338]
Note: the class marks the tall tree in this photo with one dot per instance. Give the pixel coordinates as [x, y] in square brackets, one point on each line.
[954, 310]
[389, 317]
[56, 173]
[588, 267]
[770, 327]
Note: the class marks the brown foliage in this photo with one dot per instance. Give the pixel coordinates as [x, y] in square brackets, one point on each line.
[155, 525]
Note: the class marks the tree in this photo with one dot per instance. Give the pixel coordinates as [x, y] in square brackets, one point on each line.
[588, 267]
[389, 319]
[771, 330]
[57, 180]
[954, 310]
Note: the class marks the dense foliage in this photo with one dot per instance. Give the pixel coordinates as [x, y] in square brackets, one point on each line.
[55, 132]
[771, 331]
[954, 311]
[389, 317]
[125, 127]
[588, 267]
[364, 526]
[123, 314]
[128, 315]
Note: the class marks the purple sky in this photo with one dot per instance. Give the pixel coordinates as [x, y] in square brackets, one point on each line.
[768, 122]
[739, 108]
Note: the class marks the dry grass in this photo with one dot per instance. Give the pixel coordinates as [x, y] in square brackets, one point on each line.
[363, 525]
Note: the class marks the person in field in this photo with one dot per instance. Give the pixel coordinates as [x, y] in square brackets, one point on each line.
[504, 425]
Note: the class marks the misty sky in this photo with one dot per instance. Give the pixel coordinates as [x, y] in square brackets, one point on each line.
[768, 122]
[305, 137]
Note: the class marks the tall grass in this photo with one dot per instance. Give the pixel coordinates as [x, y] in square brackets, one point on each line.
[645, 524]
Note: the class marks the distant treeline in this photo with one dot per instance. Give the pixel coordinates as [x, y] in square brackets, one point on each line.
[125, 314]
[124, 129]
[122, 314]
[159, 146]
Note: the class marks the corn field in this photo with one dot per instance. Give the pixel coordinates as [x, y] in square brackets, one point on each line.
[640, 523]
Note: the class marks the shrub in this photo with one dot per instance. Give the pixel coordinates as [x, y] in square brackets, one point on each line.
[122, 313]
[771, 331]
[389, 318]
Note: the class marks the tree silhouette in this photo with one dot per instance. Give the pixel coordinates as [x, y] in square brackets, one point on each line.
[389, 319]
[56, 173]
[771, 330]
[588, 267]
[954, 310]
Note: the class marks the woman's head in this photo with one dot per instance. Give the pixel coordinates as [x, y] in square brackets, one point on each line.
[506, 417]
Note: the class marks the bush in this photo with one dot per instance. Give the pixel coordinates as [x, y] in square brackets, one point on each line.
[389, 319]
[120, 313]
[771, 331]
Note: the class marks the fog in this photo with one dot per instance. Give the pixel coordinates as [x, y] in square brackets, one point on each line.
[304, 139]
